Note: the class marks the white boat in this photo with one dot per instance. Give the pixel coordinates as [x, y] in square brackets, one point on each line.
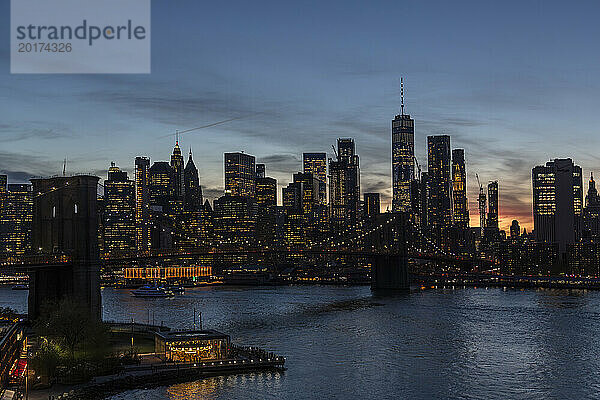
[152, 291]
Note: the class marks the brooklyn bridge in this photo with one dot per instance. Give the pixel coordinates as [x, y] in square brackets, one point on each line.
[66, 260]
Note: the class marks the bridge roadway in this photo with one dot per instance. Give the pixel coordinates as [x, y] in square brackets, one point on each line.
[41, 261]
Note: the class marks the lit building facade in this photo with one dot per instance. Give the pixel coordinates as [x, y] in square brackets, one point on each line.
[119, 212]
[557, 203]
[439, 182]
[16, 217]
[191, 346]
[240, 174]
[235, 220]
[316, 164]
[142, 203]
[403, 153]
[460, 203]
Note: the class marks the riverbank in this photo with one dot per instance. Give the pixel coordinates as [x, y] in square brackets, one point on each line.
[155, 375]
[512, 281]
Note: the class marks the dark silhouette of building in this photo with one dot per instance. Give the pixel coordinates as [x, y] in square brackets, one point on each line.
[557, 203]
[65, 222]
[403, 154]
[515, 229]
[492, 217]
[344, 186]
[459, 189]
[591, 212]
[178, 173]
[424, 200]
[260, 171]
[266, 201]
[161, 188]
[372, 206]
[192, 189]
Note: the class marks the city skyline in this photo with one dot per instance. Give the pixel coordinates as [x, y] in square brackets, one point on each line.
[502, 113]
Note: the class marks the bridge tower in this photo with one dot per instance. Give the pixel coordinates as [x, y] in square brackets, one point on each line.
[65, 221]
[389, 270]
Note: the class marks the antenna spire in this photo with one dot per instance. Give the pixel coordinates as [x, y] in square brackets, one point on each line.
[401, 96]
[176, 137]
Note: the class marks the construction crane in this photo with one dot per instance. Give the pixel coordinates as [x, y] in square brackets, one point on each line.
[482, 201]
[418, 168]
[334, 151]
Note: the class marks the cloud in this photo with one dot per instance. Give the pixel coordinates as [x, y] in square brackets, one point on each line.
[37, 130]
[28, 166]
[211, 193]
[282, 163]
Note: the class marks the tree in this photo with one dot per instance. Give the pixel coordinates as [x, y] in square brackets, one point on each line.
[68, 323]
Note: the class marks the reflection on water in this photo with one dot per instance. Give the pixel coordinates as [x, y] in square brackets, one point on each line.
[343, 342]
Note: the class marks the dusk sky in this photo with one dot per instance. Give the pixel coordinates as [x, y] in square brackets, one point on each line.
[514, 83]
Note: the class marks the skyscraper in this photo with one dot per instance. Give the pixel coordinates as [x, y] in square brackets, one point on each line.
[3, 191]
[192, 190]
[295, 226]
[162, 187]
[372, 206]
[316, 164]
[591, 212]
[492, 218]
[178, 179]
[557, 202]
[260, 170]
[309, 187]
[403, 153]
[235, 220]
[266, 201]
[3, 222]
[240, 174]
[266, 192]
[440, 183]
[119, 212]
[344, 185]
[142, 203]
[515, 229]
[16, 218]
[459, 189]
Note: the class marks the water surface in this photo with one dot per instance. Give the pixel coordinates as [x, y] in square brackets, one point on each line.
[343, 342]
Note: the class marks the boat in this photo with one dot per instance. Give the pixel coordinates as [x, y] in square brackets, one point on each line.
[152, 292]
[177, 289]
[22, 286]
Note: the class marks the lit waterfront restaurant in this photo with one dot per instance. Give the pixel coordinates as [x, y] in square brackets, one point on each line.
[191, 346]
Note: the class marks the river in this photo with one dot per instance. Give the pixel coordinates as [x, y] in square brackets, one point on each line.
[343, 342]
